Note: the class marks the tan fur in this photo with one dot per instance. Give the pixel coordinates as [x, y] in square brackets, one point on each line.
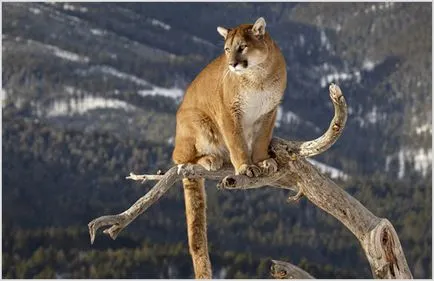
[229, 110]
[195, 206]
[230, 116]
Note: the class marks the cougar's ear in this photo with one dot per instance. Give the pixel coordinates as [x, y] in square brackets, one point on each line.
[223, 31]
[258, 28]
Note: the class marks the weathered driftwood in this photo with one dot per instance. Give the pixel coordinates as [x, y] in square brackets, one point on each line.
[286, 270]
[377, 236]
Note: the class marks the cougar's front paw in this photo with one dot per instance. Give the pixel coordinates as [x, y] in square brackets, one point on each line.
[211, 162]
[268, 166]
[249, 170]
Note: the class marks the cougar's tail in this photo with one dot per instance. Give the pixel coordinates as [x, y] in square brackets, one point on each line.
[195, 210]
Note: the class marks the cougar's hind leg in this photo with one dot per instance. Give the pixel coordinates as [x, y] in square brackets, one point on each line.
[185, 150]
[185, 139]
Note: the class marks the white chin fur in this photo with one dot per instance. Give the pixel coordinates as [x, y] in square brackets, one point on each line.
[237, 70]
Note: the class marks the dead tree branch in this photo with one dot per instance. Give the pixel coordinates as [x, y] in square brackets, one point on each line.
[376, 235]
[286, 270]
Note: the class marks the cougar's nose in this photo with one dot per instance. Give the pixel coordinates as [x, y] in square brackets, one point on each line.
[233, 64]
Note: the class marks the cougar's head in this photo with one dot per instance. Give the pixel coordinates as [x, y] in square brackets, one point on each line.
[245, 46]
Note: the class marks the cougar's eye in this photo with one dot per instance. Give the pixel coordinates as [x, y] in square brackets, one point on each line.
[227, 50]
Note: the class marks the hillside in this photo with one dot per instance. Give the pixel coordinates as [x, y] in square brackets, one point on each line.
[90, 91]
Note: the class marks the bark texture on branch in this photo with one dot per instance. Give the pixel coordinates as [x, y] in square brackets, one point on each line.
[376, 235]
[324, 142]
[286, 270]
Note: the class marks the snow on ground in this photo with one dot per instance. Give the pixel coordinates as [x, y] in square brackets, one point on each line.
[170, 140]
[418, 159]
[96, 31]
[151, 90]
[202, 41]
[325, 42]
[287, 117]
[368, 65]
[114, 72]
[222, 273]
[3, 97]
[401, 159]
[338, 77]
[374, 116]
[422, 160]
[161, 24]
[61, 16]
[380, 6]
[326, 169]
[424, 128]
[68, 55]
[74, 91]
[175, 93]
[302, 40]
[35, 11]
[290, 117]
[69, 7]
[82, 105]
[58, 52]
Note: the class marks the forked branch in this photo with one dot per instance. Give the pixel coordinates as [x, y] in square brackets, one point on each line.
[377, 236]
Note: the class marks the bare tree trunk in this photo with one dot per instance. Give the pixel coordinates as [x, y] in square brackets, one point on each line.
[376, 235]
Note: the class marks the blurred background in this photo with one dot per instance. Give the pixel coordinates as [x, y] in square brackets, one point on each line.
[89, 94]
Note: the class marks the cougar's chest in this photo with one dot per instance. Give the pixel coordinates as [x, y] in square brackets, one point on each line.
[254, 106]
[257, 104]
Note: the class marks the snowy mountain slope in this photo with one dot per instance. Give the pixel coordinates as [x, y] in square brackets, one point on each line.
[144, 55]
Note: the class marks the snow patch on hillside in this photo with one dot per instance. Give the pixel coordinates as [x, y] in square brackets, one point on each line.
[418, 159]
[175, 93]
[96, 31]
[114, 72]
[326, 169]
[339, 77]
[381, 6]
[368, 65]
[69, 7]
[302, 40]
[3, 97]
[151, 90]
[63, 54]
[58, 52]
[374, 116]
[35, 11]
[325, 42]
[335, 75]
[170, 140]
[286, 117]
[290, 117]
[424, 128]
[82, 105]
[161, 24]
[61, 16]
[222, 273]
[202, 41]
[422, 160]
